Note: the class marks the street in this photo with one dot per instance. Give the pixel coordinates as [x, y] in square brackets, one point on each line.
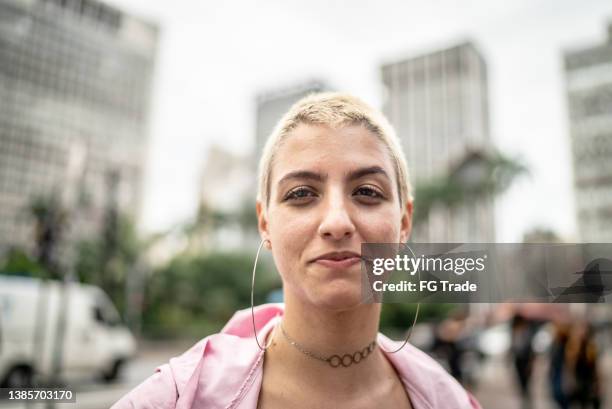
[97, 395]
[495, 390]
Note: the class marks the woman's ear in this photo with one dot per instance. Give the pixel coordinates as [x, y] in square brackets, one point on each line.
[406, 223]
[262, 224]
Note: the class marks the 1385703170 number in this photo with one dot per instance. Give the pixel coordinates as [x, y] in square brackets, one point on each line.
[39, 394]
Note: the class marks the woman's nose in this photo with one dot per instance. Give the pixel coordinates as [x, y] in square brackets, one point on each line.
[336, 222]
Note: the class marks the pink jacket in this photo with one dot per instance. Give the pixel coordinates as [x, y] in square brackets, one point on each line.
[225, 371]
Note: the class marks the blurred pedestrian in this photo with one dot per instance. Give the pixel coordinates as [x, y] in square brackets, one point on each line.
[522, 333]
[582, 358]
[448, 343]
[561, 379]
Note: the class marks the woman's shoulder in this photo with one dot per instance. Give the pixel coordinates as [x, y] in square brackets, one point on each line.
[162, 389]
[230, 354]
[192, 373]
[426, 379]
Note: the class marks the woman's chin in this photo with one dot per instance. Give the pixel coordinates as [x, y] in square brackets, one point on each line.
[338, 296]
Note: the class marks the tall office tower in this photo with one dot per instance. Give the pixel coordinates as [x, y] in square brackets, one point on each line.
[588, 74]
[75, 85]
[272, 105]
[226, 189]
[438, 104]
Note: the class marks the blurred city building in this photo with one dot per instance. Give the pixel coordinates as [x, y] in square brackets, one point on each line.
[75, 85]
[438, 104]
[226, 201]
[589, 89]
[273, 104]
[225, 181]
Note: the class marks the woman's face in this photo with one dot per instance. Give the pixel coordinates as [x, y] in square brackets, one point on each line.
[330, 191]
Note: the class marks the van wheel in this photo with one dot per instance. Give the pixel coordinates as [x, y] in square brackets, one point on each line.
[113, 372]
[18, 377]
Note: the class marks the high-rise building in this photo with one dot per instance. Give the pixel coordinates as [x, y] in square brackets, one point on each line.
[226, 189]
[75, 86]
[438, 104]
[588, 73]
[226, 181]
[272, 105]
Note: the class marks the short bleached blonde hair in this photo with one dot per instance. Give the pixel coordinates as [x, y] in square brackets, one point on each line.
[335, 110]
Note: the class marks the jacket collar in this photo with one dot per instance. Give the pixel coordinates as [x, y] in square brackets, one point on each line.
[228, 373]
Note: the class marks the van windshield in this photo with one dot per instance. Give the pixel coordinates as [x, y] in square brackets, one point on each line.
[105, 312]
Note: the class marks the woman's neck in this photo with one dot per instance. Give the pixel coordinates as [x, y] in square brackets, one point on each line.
[326, 333]
[331, 332]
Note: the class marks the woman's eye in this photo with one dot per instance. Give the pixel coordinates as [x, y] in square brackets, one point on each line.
[369, 192]
[299, 193]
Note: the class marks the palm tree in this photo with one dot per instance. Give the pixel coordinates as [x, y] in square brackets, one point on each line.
[478, 175]
[51, 221]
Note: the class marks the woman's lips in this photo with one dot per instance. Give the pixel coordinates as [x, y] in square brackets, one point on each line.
[338, 264]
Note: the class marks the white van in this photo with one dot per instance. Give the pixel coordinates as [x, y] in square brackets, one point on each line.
[94, 341]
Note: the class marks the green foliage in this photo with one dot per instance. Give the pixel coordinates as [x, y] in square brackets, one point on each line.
[107, 260]
[51, 221]
[197, 295]
[88, 261]
[497, 174]
[247, 216]
[541, 235]
[208, 219]
[18, 262]
[396, 318]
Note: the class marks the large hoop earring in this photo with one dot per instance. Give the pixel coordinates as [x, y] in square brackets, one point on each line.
[252, 297]
[416, 315]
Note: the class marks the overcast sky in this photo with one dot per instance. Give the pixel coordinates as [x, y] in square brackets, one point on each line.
[215, 57]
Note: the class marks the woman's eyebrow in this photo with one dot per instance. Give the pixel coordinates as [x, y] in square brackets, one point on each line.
[371, 170]
[301, 174]
[353, 175]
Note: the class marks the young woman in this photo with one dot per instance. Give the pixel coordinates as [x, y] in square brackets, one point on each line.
[332, 176]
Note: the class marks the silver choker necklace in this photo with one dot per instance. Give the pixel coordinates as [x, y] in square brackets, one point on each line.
[334, 361]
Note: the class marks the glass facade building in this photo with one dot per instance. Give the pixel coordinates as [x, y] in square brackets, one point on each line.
[588, 74]
[75, 87]
[273, 104]
[438, 103]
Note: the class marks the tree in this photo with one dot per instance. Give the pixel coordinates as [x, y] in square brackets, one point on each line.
[541, 235]
[51, 221]
[196, 295]
[18, 262]
[478, 175]
[107, 260]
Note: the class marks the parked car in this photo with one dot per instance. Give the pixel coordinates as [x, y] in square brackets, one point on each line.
[39, 318]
